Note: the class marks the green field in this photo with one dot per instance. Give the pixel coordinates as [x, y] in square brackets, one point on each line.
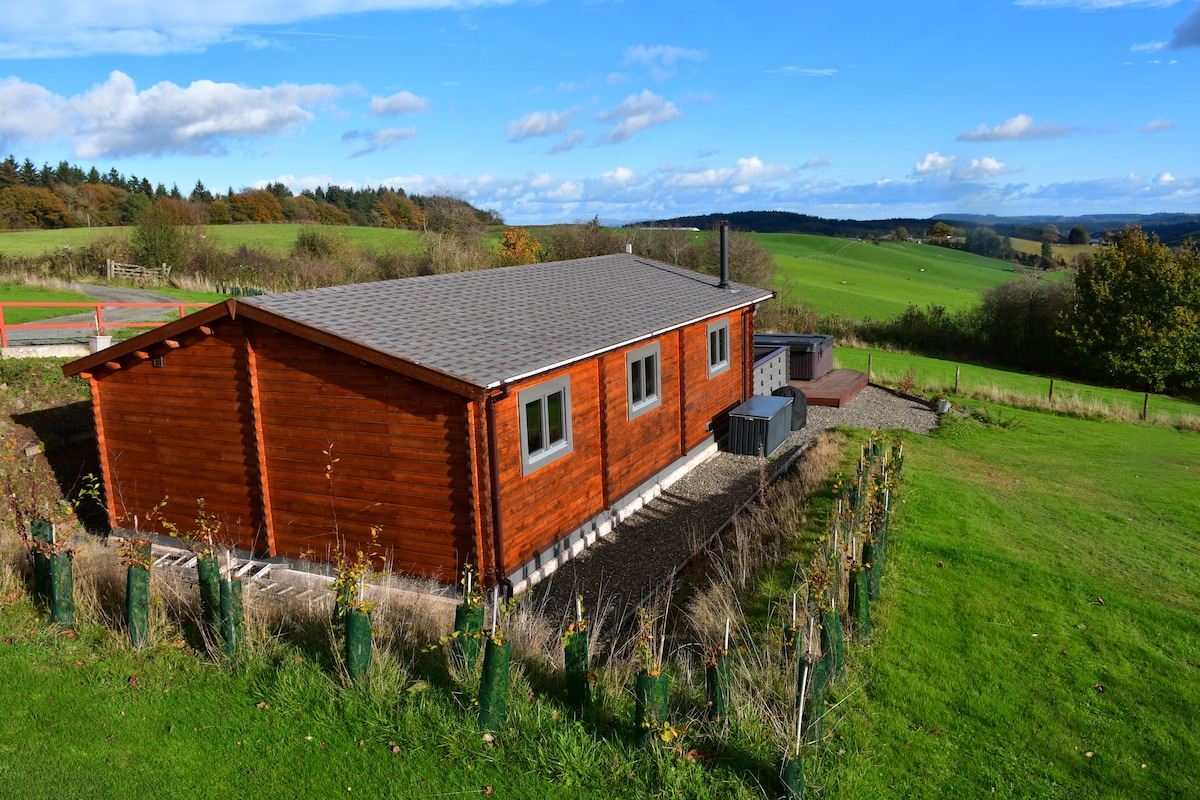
[1066, 252]
[859, 279]
[275, 238]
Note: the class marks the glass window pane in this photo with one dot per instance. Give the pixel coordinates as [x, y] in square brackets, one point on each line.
[554, 419]
[712, 349]
[651, 381]
[724, 338]
[635, 382]
[533, 426]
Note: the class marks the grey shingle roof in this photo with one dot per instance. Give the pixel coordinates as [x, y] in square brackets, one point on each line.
[500, 324]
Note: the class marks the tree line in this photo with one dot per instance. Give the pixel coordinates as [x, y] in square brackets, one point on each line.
[65, 196]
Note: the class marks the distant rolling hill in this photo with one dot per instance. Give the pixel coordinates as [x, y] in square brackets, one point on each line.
[1173, 229]
[859, 279]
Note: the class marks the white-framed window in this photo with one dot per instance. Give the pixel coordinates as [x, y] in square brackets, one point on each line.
[718, 347]
[545, 423]
[643, 379]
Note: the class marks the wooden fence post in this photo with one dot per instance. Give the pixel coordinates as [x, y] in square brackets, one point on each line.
[870, 356]
[957, 375]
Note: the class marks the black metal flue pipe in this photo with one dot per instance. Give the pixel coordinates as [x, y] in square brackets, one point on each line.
[724, 284]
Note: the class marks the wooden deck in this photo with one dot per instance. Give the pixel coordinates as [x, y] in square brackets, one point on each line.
[835, 389]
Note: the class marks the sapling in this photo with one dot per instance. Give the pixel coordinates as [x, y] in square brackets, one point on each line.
[576, 658]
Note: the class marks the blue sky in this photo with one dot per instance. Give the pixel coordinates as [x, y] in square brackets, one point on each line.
[562, 110]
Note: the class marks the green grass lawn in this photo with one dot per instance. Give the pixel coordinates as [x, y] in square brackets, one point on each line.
[859, 279]
[1039, 634]
[19, 293]
[274, 238]
[933, 375]
[1039, 603]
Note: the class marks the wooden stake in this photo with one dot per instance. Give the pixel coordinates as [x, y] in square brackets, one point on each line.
[1051, 389]
[870, 357]
[1146, 407]
[957, 375]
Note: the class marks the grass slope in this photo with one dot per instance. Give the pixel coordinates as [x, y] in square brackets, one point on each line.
[274, 238]
[1040, 606]
[857, 279]
[934, 375]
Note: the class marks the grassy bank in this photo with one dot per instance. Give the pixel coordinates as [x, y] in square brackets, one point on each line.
[1039, 635]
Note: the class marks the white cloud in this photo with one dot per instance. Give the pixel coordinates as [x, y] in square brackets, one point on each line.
[1158, 126]
[114, 119]
[539, 123]
[567, 142]
[746, 171]
[934, 164]
[68, 28]
[399, 103]
[816, 162]
[980, 169]
[1164, 178]
[621, 177]
[660, 58]
[381, 140]
[29, 112]
[805, 72]
[1147, 47]
[635, 114]
[1019, 128]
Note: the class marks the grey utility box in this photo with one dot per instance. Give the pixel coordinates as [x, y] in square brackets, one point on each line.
[759, 425]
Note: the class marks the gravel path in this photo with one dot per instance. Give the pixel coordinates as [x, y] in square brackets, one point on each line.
[643, 552]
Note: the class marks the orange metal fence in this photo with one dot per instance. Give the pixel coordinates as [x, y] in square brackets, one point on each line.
[97, 323]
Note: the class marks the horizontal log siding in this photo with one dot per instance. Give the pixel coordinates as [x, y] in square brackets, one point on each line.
[640, 447]
[184, 431]
[708, 400]
[541, 507]
[401, 450]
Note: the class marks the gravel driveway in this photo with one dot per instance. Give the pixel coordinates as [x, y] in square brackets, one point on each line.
[643, 553]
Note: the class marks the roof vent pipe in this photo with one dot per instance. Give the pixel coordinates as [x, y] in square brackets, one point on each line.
[724, 284]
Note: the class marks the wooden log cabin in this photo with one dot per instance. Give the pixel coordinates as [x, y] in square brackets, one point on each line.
[505, 417]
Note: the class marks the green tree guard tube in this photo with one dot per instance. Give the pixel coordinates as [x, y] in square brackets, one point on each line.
[717, 683]
[791, 776]
[493, 686]
[870, 553]
[832, 649]
[358, 643]
[818, 677]
[137, 605]
[233, 621]
[863, 618]
[43, 533]
[650, 695]
[468, 627]
[208, 570]
[62, 589]
[575, 654]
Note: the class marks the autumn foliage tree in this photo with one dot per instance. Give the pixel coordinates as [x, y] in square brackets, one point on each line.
[517, 246]
[1136, 316]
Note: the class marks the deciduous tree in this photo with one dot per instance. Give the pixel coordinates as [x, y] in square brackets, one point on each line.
[1136, 316]
[1079, 235]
